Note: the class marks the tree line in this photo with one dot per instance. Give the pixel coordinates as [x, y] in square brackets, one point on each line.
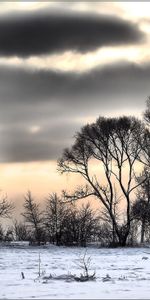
[112, 155]
[59, 223]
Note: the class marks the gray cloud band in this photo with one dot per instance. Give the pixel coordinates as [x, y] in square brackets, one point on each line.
[46, 32]
[56, 102]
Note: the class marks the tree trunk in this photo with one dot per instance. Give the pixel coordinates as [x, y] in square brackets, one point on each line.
[122, 241]
[122, 235]
[114, 242]
[142, 231]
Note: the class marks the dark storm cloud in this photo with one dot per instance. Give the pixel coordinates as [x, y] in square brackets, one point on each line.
[54, 101]
[46, 32]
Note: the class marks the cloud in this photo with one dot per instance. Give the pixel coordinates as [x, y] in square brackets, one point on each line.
[20, 144]
[31, 89]
[36, 33]
[57, 103]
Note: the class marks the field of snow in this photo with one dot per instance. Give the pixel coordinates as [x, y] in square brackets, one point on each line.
[128, 270]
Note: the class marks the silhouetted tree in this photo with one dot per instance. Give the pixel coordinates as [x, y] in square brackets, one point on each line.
[133, 237]
[55, 214]
[34, 217]
[1, 233]
[141, 207]
[21, 231]
[104, 234]
[6, 207]
[9, 236]
[68, 225]
[113, 144]
[71, 227]
[88, 224]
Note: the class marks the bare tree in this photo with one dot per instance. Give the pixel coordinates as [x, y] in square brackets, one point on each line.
[6, 207]
[21, 231]
[66, 224]
[71, 226]
[1, 233]
[55, 214]
[84, 263]
[34, 217]
[104, 234]
[9, 235]
[88, 224]
[113, 144]
[141, 207]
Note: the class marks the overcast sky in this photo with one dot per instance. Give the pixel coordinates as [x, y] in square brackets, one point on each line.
[61, 66]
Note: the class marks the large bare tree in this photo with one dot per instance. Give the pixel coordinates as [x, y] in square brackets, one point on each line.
[113, 144]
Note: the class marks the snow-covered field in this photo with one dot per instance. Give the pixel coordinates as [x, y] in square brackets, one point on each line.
[129, 271]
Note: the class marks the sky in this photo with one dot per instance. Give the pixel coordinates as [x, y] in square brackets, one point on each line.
[63, 64]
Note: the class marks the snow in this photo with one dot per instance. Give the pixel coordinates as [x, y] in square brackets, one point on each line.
[120, 273]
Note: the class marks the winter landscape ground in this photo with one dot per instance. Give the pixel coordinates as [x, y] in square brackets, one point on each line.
[128, 270]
